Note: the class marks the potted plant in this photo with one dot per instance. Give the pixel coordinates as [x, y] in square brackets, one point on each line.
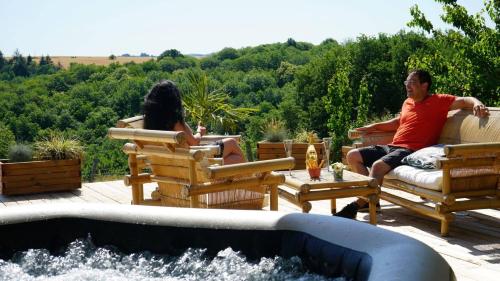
[56, 167]
[272, 147]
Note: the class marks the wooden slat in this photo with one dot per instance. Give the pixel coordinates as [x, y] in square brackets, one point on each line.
[38, 189]
[298, 157]
[46, 170]
[43, 183]
[248, 168]
[173, 137]
[8, 167]
[471, 148]
[31, 177]
[281, 150]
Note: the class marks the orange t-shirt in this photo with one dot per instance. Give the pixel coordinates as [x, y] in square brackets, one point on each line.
[420, 123]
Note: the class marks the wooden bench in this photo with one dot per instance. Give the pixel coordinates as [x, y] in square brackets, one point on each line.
[470, 170]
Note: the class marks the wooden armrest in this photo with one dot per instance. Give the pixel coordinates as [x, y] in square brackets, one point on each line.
[207, 139]
[147, 135]
[180, 153]
[210, 150]
[132, 122]
[471, 162]
[250, 167]
[471, 149]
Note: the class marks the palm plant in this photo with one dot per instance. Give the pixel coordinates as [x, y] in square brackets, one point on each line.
[211, 107]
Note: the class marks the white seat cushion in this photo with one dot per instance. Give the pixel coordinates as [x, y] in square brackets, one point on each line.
[430, 179]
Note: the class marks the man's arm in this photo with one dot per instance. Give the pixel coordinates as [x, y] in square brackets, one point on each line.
[387, 126]
[470, 103]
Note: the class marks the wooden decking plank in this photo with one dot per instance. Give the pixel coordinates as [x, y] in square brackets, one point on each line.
[93, 196]
[58, 197]
[71, 197]
[125, 193]
[118, 186]
[8, 200]
[108, 191]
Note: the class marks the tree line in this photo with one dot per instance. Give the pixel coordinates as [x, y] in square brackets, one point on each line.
[328, 88]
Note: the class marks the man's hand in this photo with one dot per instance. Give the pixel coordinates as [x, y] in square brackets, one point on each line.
[480, 110]
[477, 106]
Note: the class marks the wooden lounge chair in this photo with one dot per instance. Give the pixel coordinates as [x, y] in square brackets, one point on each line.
[192, 177]
[137, 122]
[469, 177]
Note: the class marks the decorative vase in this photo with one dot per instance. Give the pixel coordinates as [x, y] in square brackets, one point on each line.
[314, 173]
[338, 174]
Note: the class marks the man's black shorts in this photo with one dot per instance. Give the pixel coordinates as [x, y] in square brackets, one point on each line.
[391, 155]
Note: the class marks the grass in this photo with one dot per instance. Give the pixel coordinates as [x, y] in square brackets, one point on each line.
[57, 147]
[66, 61]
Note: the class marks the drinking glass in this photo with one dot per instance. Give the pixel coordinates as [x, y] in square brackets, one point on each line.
[288, 151]
[327, 142]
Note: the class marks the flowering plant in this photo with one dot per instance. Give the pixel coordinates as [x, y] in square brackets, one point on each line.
[338, 170]
[338, 167]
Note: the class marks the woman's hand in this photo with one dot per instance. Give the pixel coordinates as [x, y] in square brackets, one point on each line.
[201, 130]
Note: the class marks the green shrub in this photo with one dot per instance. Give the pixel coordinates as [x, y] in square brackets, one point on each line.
[58, 147]
[7, 139]
[20, 153]
[275, 131]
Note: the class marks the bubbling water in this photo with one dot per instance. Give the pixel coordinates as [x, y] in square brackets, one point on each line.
[82, 261]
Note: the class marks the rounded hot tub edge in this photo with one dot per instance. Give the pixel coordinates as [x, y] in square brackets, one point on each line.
[329, 245]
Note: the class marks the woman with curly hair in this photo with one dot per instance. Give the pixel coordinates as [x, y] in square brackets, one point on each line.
[163, 110]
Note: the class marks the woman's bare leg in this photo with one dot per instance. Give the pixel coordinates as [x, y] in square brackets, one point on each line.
[232, 152]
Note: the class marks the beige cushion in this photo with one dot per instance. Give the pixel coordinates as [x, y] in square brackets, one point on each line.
[430, 179]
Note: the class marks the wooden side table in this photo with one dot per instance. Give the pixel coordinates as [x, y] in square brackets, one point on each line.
[299, 189]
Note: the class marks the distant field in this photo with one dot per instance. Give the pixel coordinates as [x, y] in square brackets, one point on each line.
[66, 61]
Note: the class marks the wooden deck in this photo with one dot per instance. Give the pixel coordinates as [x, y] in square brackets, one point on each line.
[472, 249]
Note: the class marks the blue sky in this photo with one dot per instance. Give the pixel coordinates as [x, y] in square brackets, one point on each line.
[104, 27]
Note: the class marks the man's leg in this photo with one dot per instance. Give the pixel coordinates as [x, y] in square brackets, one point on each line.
[355, 160]
[386, 158]
[378, 171]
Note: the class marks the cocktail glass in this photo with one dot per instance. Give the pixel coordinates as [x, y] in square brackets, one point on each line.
[327, 142]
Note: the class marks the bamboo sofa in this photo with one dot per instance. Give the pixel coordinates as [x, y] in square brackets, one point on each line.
[192, 177]
[469, 177]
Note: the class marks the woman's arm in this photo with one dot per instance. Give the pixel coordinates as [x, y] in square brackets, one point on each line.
[192, 139]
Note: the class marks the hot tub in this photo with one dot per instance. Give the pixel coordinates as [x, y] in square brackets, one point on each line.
[328, 245]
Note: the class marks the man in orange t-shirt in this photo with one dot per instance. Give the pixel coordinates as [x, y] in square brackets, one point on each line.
[419, 125]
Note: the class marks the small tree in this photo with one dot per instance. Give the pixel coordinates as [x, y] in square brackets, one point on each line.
[173, 53]
[363, 103]
[465, 60]
[211, 107]
[112, 57]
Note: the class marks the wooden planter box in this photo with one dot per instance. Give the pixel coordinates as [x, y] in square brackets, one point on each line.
[39, 176]
[273, 150]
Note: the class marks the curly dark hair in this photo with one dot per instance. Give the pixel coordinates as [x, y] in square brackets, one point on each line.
[163, 107]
